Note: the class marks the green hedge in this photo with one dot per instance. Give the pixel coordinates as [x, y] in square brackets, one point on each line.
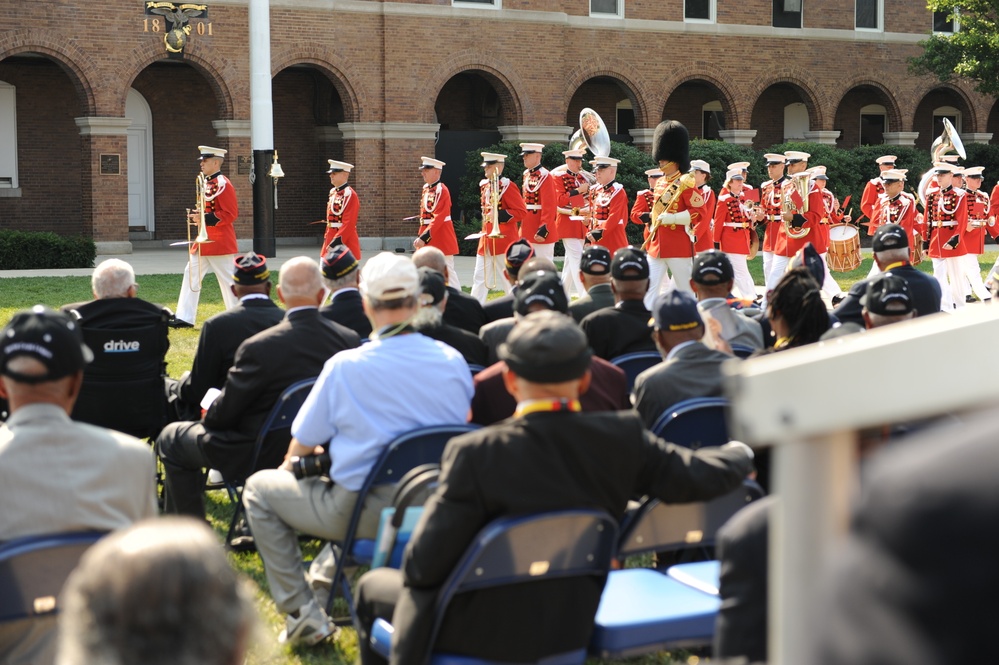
[27, 250]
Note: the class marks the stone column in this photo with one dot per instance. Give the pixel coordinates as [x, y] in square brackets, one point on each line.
[535, 133]
[738, 136]
[234, 136]
[976, 137]
[105, 191]
[825, 137]
[642, 138]
[901, 138]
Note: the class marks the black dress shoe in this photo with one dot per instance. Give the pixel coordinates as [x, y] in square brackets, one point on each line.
[970, 299]
[179, 323]
[836, 300]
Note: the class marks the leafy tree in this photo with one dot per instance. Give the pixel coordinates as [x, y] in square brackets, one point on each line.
[971, 53]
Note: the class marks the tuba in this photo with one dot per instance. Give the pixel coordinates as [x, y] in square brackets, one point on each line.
[946, 142]
[800, 183]
[592, 135]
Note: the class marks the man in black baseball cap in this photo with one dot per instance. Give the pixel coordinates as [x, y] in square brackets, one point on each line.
[711, 280]
[615, 331]
[342, 277]
[517, 254]
[594, 273]
[891, 253]
[51, 340]
[887, 300]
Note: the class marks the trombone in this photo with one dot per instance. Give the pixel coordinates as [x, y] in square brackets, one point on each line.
[194, 244]
[489, 257]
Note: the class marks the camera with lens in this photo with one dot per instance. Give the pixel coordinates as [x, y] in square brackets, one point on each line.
[310, 466]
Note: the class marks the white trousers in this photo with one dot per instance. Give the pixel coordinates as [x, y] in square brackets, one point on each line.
[570, 267]
[973, 272]
[830, 285]
[452, 274]
[480, 290]
[768, 260]
[187, 302]
[680, 269]
[950, 274]
[743, 280]
[778, 266]
[546, 251]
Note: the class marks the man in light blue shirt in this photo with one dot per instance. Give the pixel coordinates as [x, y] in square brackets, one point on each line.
[364, 397]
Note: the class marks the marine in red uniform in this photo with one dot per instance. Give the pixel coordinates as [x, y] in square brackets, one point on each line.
[898, 206]
[341, 210]
[831, 215]
[216, 255]
[541, 203]
[732, 225]
[571, 191]
[436, 228]
[509, 211]
[770, 207]
[946, 216]
[609, 202]
[701, 217]
[875, 187]
[799, 211]
[641, 211]
[979, 217]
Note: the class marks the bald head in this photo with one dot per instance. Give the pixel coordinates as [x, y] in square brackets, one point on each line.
[430, 257]
[300, 283]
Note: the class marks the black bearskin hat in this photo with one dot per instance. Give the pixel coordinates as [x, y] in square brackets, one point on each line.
[671, 143]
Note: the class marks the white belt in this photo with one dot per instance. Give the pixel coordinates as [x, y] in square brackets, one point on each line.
[977, 223]
[938, 224]
[334, 225]
[533, 207]
[774, 218]
[736, 226]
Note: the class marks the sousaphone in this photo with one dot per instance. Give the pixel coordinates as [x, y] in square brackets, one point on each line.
[592, 135]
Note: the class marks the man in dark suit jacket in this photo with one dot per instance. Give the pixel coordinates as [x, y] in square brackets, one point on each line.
[116, 305]
[547, 457]
[689, 368]
[623, 328]
[516, 254]
[341, 276]
[891, 253]
[594, 273]
[265, 365]
[462, 310]
[222, 334]
[429, 320]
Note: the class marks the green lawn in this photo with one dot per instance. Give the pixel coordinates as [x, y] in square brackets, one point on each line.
[20, 293]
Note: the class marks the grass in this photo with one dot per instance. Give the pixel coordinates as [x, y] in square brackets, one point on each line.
[23, 292]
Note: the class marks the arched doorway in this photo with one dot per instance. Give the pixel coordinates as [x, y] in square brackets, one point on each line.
[613, 101]
[863, 116]
[141, 212]
[782, 113]
[936, 105]
[701, 108]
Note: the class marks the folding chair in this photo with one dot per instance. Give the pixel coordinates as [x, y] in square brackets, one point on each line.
[643, 610]
[398, 521]
[279, 420]
[123, 387]
[33, 571]
[475, 369]
[407, 451]
[634, 364]
[694, 423]
[742, 351]
[521, 550]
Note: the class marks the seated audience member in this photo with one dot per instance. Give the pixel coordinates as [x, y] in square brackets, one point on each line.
[891, 253]
[57, 475]
[549, 456]
[462, 310]
[494, 333]
[222, 334]
[608, 391]
[887, 301]
[594, 273]
[502, 307]
[711, 280]
[116, 304]
[689, 369]
[623, 328]
[429, 320]
[795, 310]
[341, 275]
[363, 399]
[158, 593]
[265, 365]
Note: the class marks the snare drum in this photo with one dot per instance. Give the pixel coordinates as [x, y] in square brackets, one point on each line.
[844, 248]
[916, 252]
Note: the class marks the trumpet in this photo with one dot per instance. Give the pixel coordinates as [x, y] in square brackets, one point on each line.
[800, 183]
[202, 232]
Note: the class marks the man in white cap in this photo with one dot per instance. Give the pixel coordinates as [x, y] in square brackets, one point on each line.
[875, 187]
[489, 257]
[831, 215]
[946, 218]
[361, 401]
[641, 211]
[700, 218]
[980, 215]
[897, 206]
[436, 228]
[609, 203]
[571, 190]
[540, 201]
[733, 224]
[771, 200]
[800, 212]
[743, 167]
[219, 212]
[341, 211]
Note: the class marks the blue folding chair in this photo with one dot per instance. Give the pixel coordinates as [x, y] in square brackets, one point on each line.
[694, 423]
[475, 369]
[634, 364]
[407, 451]
[742, 351]
[33, 571]
[280, 418]
[643, 610]
[521, 550]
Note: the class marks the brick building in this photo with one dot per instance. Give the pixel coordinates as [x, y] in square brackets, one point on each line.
[99, 123]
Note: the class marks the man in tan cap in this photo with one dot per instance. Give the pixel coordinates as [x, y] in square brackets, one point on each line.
[436, 228]
[341, 211]
[571, 190]
[540, 201]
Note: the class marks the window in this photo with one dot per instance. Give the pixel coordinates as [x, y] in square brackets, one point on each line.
[787, 13]
[712, 121]
[608, 8]
[624, 117]
[868, 15]
[795, 121]
[948, 112]
[873, 124]
[946, 22]
[8, 137]
[492, 4]
[699, 10]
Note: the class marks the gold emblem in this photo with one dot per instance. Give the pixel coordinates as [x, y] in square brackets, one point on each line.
[696, 200]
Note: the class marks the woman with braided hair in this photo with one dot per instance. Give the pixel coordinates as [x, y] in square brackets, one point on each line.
[796, 312]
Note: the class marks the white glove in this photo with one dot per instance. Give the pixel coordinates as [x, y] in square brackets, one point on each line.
[677, 218]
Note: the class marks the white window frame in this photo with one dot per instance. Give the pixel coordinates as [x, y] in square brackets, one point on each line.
[956, 23]
[801, 23]
[712, 13]
[880, 18]
[872, 109]
[8, 137]
[619, 14]
[947, 112]
[491, 4]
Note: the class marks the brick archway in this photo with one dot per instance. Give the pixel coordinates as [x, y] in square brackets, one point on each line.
[77, 65]
[497, 75]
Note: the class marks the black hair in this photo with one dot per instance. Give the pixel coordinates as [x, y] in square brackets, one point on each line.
[797, 300]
